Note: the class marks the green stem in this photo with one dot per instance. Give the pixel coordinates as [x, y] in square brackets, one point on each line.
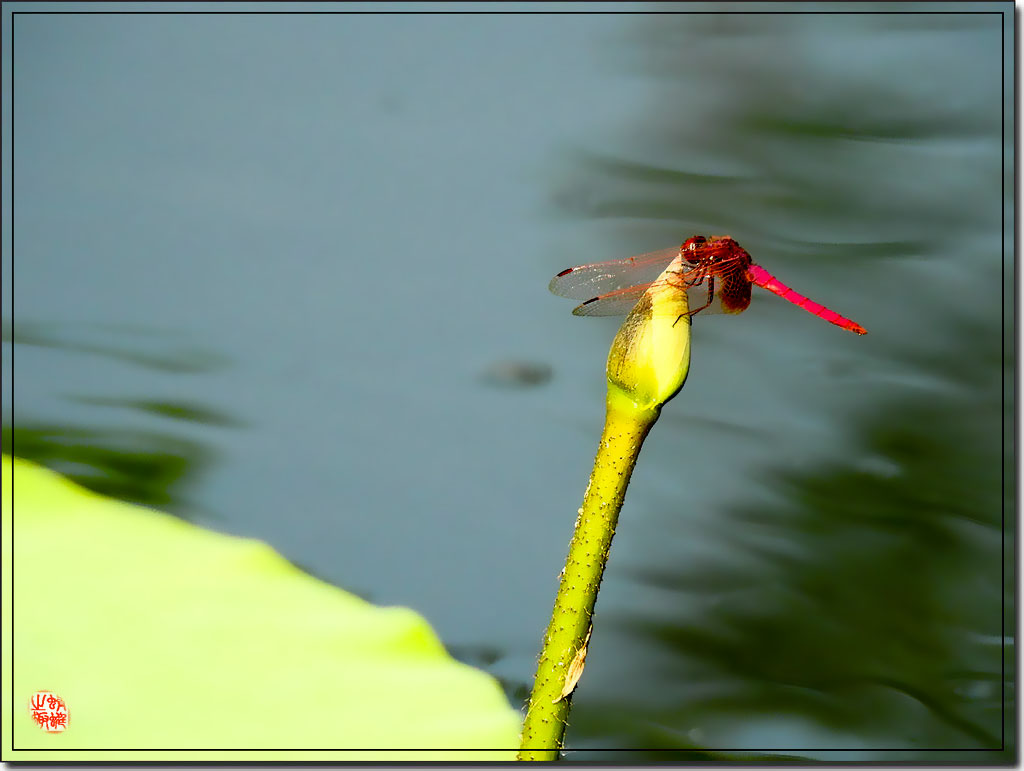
[625, 428]
[647, 365]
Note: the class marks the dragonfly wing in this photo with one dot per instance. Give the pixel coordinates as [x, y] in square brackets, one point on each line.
[617, 303]
[600, 278]
[621, 301]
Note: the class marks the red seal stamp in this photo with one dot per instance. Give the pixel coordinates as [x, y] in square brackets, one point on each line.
[49, 711]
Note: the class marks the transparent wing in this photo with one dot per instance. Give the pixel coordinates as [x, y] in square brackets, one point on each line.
[617, 303]
[601, 278]
[621, 301]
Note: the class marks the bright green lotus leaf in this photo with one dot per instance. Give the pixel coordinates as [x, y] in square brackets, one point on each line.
[161, 636]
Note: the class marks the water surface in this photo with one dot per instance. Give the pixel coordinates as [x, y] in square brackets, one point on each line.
[286, 277]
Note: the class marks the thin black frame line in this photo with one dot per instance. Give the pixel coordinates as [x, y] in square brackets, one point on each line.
[1001, 13]
[752, 3]
[506, 13]
[11, 199]
[516, 749]
[1002, 422]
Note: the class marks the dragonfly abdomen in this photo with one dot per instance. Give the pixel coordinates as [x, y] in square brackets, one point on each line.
[766, 280]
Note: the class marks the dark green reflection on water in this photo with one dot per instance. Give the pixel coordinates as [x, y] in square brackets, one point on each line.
[122, 342]
[146, 467]
[150, 467]
[871, 602]
[867, 609]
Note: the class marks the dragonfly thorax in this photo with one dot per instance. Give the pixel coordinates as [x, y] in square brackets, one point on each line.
[717, 253]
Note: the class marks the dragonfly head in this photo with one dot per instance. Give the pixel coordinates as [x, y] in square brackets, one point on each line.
[691, 249]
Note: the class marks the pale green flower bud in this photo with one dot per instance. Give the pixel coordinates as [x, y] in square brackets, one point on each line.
[650, 356]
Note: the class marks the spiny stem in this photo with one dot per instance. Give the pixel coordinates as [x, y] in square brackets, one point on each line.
[623, 435]
[647, 365]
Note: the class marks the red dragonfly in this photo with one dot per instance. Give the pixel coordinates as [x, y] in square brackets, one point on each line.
[716, 273]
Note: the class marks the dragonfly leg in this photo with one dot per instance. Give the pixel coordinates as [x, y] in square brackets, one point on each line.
[711, 297]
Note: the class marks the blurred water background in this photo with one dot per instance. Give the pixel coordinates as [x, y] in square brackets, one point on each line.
[285, 276]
